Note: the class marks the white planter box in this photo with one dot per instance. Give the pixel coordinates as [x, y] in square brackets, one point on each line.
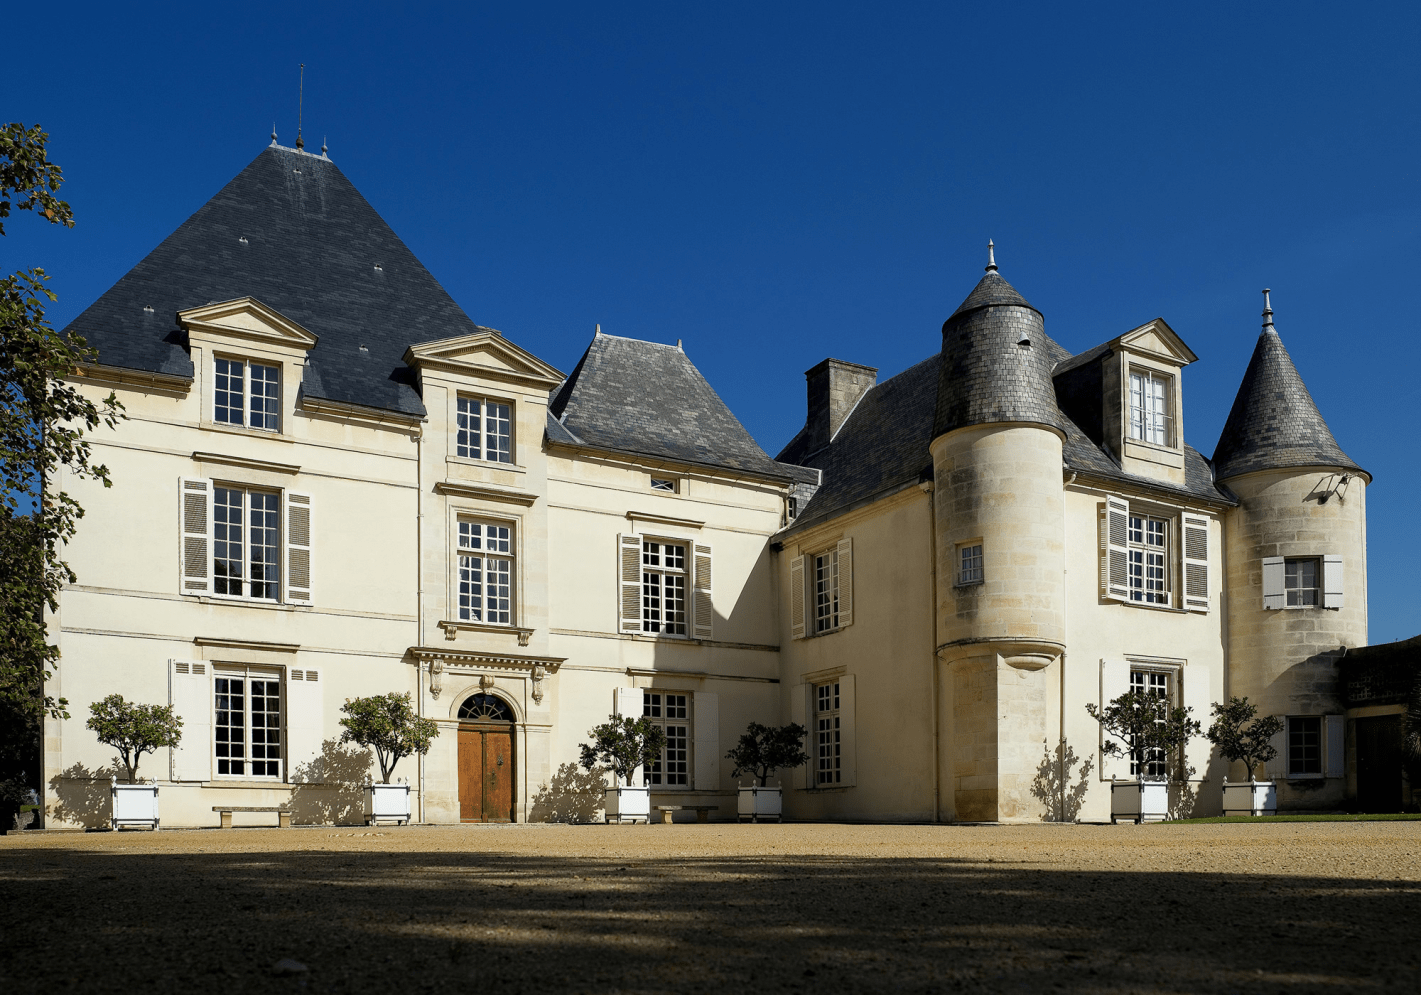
[1250, 798]
[1139, 801]
[387, 803]
[756, 803]
[133, 805]
[628, 804]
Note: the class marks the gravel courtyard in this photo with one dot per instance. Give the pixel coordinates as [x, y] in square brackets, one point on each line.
[1310, 907]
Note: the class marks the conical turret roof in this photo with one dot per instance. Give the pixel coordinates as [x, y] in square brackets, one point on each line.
[1274, 423]
[991, 291]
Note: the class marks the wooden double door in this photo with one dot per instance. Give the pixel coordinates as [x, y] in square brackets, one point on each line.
[486, 773]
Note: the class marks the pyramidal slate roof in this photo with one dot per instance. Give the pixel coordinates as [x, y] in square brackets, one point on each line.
[1274, 422]
[649, 399]
[992, 290]
[293, 232]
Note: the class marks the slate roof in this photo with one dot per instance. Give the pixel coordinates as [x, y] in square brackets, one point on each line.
[1274, 422]
[649, 399]
[312, 244]
[986, 375]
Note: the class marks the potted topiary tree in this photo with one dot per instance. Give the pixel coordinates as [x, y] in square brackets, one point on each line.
[133, 730]
[1241, 735]
[762, 750]
[1151, 732]
[387, 723]
[624, 746]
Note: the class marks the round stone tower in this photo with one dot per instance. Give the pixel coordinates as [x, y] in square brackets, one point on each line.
[1296, 580]
[999, 505]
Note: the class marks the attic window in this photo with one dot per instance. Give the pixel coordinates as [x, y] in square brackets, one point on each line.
[663, 484]
[243, 240]
[379, 268]
[1151, 407]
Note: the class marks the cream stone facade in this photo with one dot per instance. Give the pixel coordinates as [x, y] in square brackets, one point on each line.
[332, 483]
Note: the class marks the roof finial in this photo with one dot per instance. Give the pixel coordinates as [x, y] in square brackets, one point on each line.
[599, 328]
[300, 107]
[273, 132]
[323, 146]
[1267, 310]
[991, 257]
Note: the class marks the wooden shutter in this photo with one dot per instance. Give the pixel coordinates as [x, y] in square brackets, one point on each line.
[846, 582]
[298, 548]
[1115, 549]
[848, 732]
[705, 726]
[190, 694]
[1114, 681]
[1335, 743]
[801, 713]
[796, 598]
[1197, 693]
[1196, 563]
[305, 724]
[629, 702]
[704, 606]
[1277, 768]
[629, 572]
[1331, 581]
[1274, 596]
[195, 515]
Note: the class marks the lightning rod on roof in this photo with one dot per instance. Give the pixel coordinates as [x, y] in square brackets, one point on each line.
[991, 257]
[300, 107]
[1267, 309]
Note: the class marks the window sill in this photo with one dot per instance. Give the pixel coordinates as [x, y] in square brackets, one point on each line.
[452, 630]
[1302, 608]
[834, 790]
[487, 464]
[242, 782]
[1157, 608]
[222, 599]
[963, 584]
[251, 433]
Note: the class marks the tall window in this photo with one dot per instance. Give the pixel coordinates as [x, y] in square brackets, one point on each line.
[1300, 583]
[246, 545]
[1150, 418]
[969, 563]
[485, 430]
[248, 723]
[669, 711]
[1149, 560]
[663, 588]
[827, 768]
[1304, 745]
[247, 393]
[1151, 682]
[826, 591]
[485, 572]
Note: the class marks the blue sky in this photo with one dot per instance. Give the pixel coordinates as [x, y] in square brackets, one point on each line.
[779, 183]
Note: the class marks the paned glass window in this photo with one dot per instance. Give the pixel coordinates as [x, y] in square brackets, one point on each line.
[247, 724]
[1149, 560]
[1150, 418]
[663, 484]
[826, 591]
[247, 393]
[663, 588]
[1304, 745]
[827, 769]
[670, 712]
[1157, 683]
[485, 557]
[1300, 583]
[969, 558]
[246, 543]
[485, 430]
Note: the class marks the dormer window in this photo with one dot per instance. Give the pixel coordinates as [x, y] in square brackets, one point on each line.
[1151, 417]
[485, 430]
[247, 393]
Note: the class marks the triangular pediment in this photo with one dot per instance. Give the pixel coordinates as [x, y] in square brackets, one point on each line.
[248, 318]
[484, 353]
[1158, 340]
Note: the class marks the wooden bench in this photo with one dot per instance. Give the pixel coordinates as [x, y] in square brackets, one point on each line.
[283, 815]
[702, 812]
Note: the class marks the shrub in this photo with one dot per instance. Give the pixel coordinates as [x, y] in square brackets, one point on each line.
[623, 745]
[762, 750]
[134, 729]
[1235, 742]
[1145, 725]
[387, 723]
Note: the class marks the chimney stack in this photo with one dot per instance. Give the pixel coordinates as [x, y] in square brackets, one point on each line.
[834, 388]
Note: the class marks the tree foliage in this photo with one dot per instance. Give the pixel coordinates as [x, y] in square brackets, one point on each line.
[1145, 725]
[387, 723]
[1240, 735]
[27, 173]
[762, 750]
[623, 745]
[1411, 734]
[134, 729]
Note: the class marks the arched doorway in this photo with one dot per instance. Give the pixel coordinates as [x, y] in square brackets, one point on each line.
[486, 759]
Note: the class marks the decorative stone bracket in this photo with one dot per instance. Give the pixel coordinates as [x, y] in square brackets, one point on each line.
[435, 660]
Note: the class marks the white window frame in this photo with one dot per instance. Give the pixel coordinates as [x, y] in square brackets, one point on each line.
[222, 672]
[1294, 594]
[246, 529]
[1151, 407]
[828, 733]
[479, 450]
[245, 418]
[1295, 721]
[1155, 561]
[824, 590]
[673, 711]
[1160, 680]
[503, 554]
[657, 576]
[969, 563]
[665, 485]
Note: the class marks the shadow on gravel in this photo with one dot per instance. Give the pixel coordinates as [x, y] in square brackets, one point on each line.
[442, 922]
